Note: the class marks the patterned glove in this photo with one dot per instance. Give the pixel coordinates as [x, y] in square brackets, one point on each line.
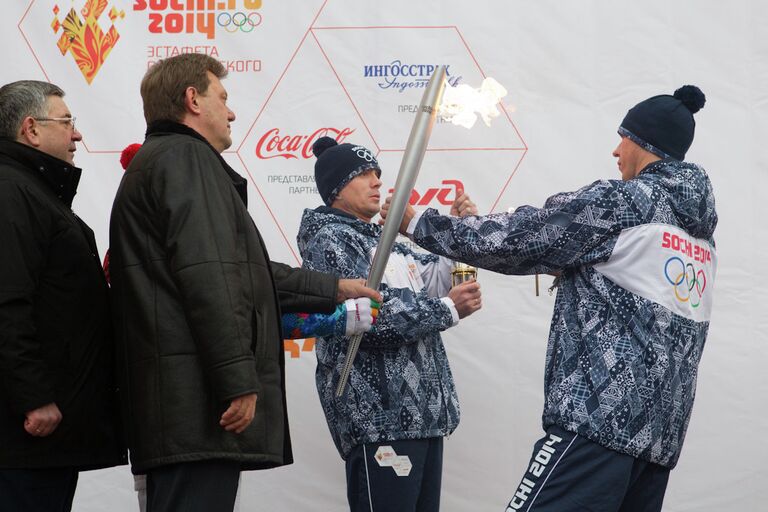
[361, 315]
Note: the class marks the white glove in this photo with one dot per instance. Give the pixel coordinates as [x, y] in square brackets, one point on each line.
[359, 316]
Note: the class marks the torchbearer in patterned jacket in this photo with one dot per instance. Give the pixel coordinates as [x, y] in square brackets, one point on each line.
[637, 262]
[400, 400]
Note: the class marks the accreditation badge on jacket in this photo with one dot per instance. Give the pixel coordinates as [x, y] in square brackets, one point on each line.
[664, 264]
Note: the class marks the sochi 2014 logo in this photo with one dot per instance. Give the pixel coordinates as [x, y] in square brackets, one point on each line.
[201, 16]
[688, 279]
[83, 37]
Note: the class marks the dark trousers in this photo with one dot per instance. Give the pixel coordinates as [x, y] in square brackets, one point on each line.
[569, 473]
[395, 476]
[202, 486]
[37, 490]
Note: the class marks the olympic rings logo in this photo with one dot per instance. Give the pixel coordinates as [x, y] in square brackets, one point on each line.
[238, 21]
[364, 154]
[689, 284]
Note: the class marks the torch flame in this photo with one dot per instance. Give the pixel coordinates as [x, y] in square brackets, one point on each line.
[462, 104]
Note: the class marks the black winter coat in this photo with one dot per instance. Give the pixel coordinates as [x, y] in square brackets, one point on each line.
[55, 326]
[197, 307]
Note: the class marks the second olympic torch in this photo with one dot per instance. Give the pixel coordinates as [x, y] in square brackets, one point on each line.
[426, 116]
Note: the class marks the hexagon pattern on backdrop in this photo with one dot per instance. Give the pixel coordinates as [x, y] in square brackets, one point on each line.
[372, 102]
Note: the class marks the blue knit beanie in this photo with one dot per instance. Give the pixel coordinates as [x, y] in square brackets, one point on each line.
[337, 164]
[664, 124]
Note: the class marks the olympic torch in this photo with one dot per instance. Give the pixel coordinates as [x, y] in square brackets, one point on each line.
[406, 179]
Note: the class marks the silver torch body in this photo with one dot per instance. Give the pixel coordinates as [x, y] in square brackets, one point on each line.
[426, 115]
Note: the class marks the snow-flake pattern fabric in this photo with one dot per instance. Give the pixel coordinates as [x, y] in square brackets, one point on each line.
[401, 386]
[620, 370]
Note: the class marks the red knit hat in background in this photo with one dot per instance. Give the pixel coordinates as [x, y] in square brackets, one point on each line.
[128, 153]
[125, 160]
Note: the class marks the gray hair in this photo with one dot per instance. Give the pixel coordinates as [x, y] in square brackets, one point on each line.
[25, 98]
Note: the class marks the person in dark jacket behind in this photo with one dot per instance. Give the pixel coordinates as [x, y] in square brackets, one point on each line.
[636, 263]
[198, 302]
[58, 406]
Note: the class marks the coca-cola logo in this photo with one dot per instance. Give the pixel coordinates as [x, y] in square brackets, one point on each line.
[272, 144]
[444, 195]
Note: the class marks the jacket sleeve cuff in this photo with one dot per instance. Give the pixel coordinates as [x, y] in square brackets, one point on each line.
[452, 307]
[412, 225]
[30, 403]
[235, 378]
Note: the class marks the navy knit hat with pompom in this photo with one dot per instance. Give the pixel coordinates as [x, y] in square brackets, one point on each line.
[337, 164]
[664, 124]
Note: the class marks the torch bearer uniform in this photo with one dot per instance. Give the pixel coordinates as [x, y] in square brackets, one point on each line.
[637, 264]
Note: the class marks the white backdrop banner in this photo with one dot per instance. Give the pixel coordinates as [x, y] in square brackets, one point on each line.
[355, 70]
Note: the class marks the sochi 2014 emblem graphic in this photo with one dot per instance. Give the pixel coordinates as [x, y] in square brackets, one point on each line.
[688, 279]
[83, 37]
[667, 266]
[200, 16]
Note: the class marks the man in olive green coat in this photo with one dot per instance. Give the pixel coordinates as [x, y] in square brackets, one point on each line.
[198, 301]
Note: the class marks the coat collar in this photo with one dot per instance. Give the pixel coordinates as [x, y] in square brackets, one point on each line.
[166, 126]
[334, 215]
[59, 176]
[656, 165]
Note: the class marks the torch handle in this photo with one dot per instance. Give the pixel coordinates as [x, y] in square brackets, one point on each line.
[406, 179]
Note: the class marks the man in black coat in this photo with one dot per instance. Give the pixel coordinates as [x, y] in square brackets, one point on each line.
[198, 301]
[58, 407]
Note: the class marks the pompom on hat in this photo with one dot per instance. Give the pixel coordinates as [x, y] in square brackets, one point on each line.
[337, 164]
[664, 124]
[128, 153]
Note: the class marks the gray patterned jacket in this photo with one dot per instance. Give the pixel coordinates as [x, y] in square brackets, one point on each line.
[401, 386]
[637, 263]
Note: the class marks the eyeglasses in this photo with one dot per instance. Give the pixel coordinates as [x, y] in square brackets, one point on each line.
[66, 120]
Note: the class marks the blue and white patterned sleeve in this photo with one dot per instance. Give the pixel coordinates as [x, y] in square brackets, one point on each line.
[405, 316]
[572, 229]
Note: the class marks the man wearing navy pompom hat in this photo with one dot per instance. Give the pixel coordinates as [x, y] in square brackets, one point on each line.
[636, 263]
[400, 400]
